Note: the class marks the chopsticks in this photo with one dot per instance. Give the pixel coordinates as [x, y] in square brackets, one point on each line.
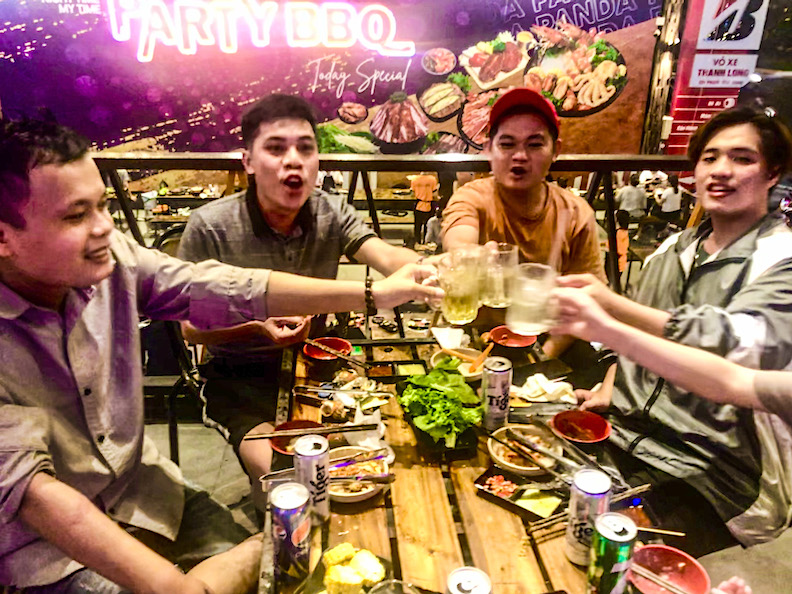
[650, 575]
[562, 516]
[307, 390]
[480, 360]
[540, 450]
[506, 444]
[661, 531]
[458, 355]
[338, 354]
[313, 431]
[365, 478]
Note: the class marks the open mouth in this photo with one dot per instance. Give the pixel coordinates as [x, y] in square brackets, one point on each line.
[719, 190]
[293, 182]
[99, 255]
[518, 171]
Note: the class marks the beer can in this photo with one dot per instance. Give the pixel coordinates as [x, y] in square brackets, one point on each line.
[468, 580]
[589, 498]
[291, 532]
[312, 467]
[495, 389]
[611, 554]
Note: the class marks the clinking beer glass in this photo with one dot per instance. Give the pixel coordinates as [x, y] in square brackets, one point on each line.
[458, 275]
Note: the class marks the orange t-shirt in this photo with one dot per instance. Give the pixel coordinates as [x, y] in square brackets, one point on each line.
[622, 245]
[478, 205]
[423, 186]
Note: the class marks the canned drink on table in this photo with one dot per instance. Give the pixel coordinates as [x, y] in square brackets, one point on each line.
[611, 554]
[312, 467]
[468, 580]
[589, 498]
[291, 532]
[495, 390]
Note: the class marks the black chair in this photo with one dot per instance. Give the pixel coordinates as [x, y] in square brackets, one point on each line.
[183, 377]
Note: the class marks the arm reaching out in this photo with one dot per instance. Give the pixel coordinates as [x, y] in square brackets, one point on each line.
[692, 369]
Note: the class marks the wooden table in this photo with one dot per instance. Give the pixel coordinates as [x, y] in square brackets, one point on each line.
[431, 520]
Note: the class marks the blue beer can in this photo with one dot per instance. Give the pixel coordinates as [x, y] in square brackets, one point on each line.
[291, 532]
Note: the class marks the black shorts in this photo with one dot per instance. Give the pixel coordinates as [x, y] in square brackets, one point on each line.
[239, 396]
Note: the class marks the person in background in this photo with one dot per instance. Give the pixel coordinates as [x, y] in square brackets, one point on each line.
[424, 187]
[623, 237]
[281, 222]
[632, 198]
[670, 201]
[75, 465]
[723, 287]
[433, 231]
[516, 205]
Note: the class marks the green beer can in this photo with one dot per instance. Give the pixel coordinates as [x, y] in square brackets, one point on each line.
[611, 554]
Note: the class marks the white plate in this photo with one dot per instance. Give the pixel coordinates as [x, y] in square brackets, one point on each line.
[464, 367]
[366, 492]
[551, 442]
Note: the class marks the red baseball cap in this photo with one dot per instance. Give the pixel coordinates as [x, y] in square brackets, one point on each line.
[530, 99]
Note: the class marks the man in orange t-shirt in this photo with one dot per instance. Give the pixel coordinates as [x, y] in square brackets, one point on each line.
[423, 186]
[516, 205]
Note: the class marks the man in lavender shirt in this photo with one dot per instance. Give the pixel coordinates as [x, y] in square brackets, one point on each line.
[86, 501]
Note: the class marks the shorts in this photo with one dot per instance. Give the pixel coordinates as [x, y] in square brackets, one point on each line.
[239, 396]
[207, 529]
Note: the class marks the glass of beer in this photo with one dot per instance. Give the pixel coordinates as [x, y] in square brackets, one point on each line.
[458, 277]
[499, 275]
[530, 312]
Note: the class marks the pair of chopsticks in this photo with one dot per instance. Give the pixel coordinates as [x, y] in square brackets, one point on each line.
[313, 431]
[527, 455]
[650, 575]
[338, 354]
[527, 443]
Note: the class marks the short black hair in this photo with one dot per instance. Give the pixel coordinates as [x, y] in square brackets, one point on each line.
[775, 139]
[635, 179]
[275, 107]
[623, 218]
[519, 110]
[24, 145]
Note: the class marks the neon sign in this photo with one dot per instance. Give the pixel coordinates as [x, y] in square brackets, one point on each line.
[186, 24]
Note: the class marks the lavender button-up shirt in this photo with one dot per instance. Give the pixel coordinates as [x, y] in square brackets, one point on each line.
[71, 398]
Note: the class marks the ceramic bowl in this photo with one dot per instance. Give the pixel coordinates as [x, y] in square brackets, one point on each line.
[284, 445]
[322, 365]
[581, 426]
[672, 564]
[464, 367]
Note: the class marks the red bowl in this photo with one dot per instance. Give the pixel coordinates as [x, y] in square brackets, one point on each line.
[672, 564]
[282, 444]
[581, 426]
[505, 337]
[339, 344]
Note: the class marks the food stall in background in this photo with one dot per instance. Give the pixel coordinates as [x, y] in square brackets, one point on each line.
[396, 77]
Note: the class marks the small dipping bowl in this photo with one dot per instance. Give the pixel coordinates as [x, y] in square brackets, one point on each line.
[321, 365]
[581, 426]
[507, 343]
[672, 564]
[281, 444]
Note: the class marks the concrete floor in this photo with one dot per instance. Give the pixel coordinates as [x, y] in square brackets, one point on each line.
[209, 461]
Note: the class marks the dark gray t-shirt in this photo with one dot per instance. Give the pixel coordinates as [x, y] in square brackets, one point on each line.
[233, 230]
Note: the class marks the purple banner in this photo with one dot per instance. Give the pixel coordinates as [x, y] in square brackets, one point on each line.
[179, 73]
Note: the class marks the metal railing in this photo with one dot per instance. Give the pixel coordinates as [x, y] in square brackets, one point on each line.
[602, 166]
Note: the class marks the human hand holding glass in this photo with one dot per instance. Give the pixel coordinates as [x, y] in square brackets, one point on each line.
[459, 279]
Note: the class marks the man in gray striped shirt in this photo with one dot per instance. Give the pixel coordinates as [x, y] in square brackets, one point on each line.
[282, 222]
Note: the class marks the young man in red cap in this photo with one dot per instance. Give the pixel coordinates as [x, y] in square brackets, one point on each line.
[516, 205]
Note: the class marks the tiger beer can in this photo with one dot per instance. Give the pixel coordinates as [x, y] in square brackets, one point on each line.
[468, 580]
[495, 390]
[589, 498]
[611, 554]
[291, 532]
[312, 467]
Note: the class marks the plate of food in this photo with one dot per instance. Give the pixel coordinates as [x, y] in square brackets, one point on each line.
[439, 60]
[441, 101]
[576, 70]
[345, 568]
[530, 499]
[524, 465]
[399, 126]
[491, 62]
[473, 121]
[441, 143]
[354, 491]
[463, 367]
[352, 113]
